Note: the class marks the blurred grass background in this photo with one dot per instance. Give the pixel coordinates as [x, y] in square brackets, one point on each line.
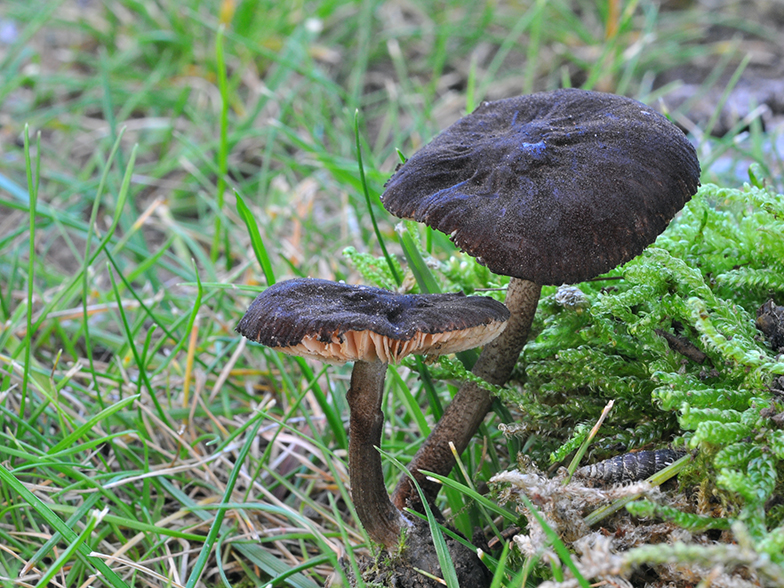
[122, 383]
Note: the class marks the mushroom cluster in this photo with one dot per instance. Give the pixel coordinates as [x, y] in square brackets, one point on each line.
[337, 323]
[549, 188]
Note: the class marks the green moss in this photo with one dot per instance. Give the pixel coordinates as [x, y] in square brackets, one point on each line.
[374, 269]
[701, 283]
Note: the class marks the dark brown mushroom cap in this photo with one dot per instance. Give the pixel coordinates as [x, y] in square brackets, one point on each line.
[555, 187]
[338, 322]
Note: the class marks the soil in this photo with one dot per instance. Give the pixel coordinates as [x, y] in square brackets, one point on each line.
[750, 31]
[402, 570]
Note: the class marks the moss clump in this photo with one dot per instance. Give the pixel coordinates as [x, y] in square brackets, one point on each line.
[675, 344]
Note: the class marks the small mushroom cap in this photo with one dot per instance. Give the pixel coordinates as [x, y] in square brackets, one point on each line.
[555, 187]
[337, 322]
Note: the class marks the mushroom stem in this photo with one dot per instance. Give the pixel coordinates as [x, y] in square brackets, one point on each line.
[468, 408]
[382, 521]
[498, 358]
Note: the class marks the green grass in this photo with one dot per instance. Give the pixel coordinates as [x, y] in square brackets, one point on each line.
[191, 153]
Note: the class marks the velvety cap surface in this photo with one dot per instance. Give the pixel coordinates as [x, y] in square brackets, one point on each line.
[338, 322]
[555, 187]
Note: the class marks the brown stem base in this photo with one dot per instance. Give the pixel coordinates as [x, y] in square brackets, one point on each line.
[467, 410]
[382, 521]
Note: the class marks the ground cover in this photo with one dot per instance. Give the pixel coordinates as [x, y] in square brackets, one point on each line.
[143, 144]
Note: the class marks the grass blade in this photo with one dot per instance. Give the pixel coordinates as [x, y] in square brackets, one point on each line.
[573, 465]
[132, 344]
[58, 525]
[76, 515]
[32, 184]
[212, 535]
[427, 283]
[89, 424]
[223, 148]
[255, 239]
[122, 197]
[365, 190]
[474, 495]
[85, 274]
[65, 556]
[442, 552]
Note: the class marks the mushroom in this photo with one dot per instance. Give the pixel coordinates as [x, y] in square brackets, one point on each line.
[549, 188]
[336, 322]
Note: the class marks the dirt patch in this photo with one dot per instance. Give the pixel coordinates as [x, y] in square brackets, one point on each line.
[419, 555]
